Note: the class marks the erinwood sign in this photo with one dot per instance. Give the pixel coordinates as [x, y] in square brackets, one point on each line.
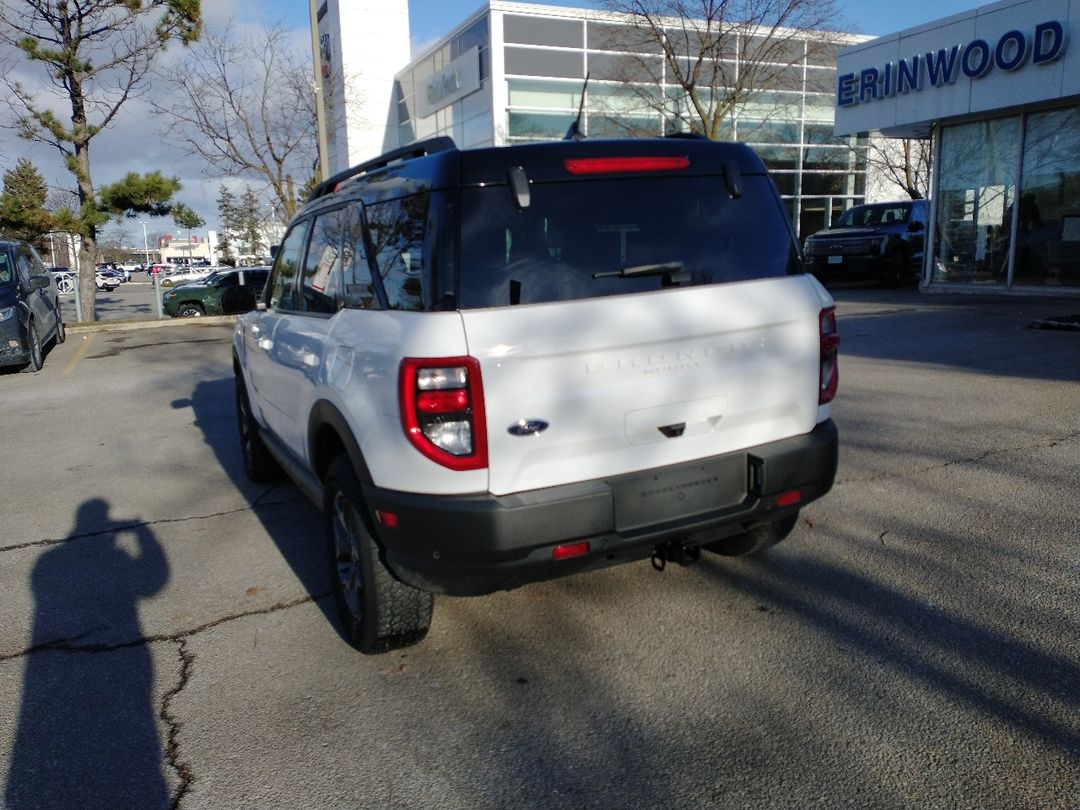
[992, 58]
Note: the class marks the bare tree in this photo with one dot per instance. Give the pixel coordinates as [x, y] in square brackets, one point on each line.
[95, 55]
[246, 107]
[901, 163]
[718, 54]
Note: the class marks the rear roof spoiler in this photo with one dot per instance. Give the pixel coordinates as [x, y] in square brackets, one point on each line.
[413, 150]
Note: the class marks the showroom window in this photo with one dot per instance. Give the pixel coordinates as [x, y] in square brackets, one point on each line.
[1048, 214]
[975, 193]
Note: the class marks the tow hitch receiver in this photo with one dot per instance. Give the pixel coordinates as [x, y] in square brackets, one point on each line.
[676, 553]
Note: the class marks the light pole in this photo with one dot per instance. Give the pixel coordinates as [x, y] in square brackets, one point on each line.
[146, 247]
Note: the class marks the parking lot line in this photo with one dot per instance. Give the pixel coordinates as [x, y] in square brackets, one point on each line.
[80, 354]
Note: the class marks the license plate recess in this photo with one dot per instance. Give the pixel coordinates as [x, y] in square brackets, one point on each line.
[676, 493]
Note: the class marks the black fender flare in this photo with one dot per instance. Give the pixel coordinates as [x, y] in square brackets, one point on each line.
[325, 415]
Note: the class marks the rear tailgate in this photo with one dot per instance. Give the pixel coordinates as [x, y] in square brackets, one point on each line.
[632, 382]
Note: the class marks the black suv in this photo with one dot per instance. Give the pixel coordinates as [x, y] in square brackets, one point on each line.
[29, 307]
[880, 242]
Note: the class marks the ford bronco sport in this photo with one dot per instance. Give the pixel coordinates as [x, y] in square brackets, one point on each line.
[496, 366]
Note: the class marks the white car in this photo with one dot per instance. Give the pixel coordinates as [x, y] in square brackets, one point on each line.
[185, 275]
[497, 366]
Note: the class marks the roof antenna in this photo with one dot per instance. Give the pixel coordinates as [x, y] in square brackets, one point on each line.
[575, 133]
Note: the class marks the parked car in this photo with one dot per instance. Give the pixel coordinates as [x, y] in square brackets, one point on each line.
[107, 280]
[225, 292]
[880, 242]
[183, 275]
[497, 366]
[30, 314]
[115, 269]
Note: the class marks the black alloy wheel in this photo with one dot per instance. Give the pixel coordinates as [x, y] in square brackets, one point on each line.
[378, 612]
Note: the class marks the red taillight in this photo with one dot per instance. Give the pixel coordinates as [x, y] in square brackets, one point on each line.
[569, 550]
[789, 498]
[612, 165]
[442, 410]
[387, 519]
[830, 346]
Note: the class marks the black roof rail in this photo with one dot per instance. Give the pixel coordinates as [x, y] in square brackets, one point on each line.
[413, 150]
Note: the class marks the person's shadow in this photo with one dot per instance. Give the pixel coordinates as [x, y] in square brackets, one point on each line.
[86, 734]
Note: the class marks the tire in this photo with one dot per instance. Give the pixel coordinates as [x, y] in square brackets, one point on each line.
[190, 310]
[33, 341]
[896, 273]
[61, 330]
[378, 612]
[259, 465]
[755, 540]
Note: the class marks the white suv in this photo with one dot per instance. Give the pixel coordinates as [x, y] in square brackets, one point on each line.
[496, 366]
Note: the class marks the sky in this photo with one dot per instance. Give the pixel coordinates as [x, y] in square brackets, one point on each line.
[139, 143]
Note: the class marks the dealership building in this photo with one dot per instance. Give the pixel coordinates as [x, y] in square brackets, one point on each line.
[516, 73]
[998, 88]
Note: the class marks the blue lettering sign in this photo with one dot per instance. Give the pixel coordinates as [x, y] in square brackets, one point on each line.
[976, 60]
[868, 82]
[941, 67]
[908, 75]
[1012, 51]
[845, 90]
[1049, 42]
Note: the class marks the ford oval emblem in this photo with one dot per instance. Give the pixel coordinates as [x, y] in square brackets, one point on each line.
[527, 427]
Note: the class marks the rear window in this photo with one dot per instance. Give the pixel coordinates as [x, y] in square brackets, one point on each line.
[617, 236]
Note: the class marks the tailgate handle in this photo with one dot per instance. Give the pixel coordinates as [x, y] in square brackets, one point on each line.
[673, 431]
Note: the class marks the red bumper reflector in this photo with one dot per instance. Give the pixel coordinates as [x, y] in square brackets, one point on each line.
[565, 552]
[387, 519]
[789, 498]
[612, 165]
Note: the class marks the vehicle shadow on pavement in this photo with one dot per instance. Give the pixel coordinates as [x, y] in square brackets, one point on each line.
[289, 518]
[87, 733]
[919, 647]
[987, 334]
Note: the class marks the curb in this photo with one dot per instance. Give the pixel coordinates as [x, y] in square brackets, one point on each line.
[160, 323]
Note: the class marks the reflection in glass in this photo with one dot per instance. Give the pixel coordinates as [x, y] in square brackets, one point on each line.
[1048, 219]
[396, 230]
[976, 187]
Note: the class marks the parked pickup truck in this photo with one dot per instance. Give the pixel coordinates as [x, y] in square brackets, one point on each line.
[496, 366]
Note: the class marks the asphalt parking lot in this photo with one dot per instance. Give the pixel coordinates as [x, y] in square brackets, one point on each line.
[167, 638]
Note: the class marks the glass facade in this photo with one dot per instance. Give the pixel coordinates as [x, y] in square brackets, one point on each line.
[544, 60]
[1008, 202]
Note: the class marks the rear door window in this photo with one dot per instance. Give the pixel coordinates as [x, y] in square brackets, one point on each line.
[320, 283]
[616, 236]
[396, 231]
[282, 286]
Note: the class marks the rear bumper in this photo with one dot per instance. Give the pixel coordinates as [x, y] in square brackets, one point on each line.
[476, 544]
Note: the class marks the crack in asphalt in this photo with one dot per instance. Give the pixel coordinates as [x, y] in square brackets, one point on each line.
[66, 645]
[56, 541]
[886, 476]
[175, 725]
[187, 662]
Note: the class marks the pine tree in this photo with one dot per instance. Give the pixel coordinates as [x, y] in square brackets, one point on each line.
[22, 205]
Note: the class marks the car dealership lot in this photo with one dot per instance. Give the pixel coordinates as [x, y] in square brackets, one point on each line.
[166, 629]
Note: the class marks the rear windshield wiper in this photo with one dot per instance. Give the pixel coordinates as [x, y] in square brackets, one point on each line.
[672, 272]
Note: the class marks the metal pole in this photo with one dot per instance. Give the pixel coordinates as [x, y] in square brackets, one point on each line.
[146, 247]
[78, 279]
[320, 94]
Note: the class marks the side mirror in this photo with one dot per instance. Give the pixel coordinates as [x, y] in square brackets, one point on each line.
[40, 282]
[916, 226]
[274, 251]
